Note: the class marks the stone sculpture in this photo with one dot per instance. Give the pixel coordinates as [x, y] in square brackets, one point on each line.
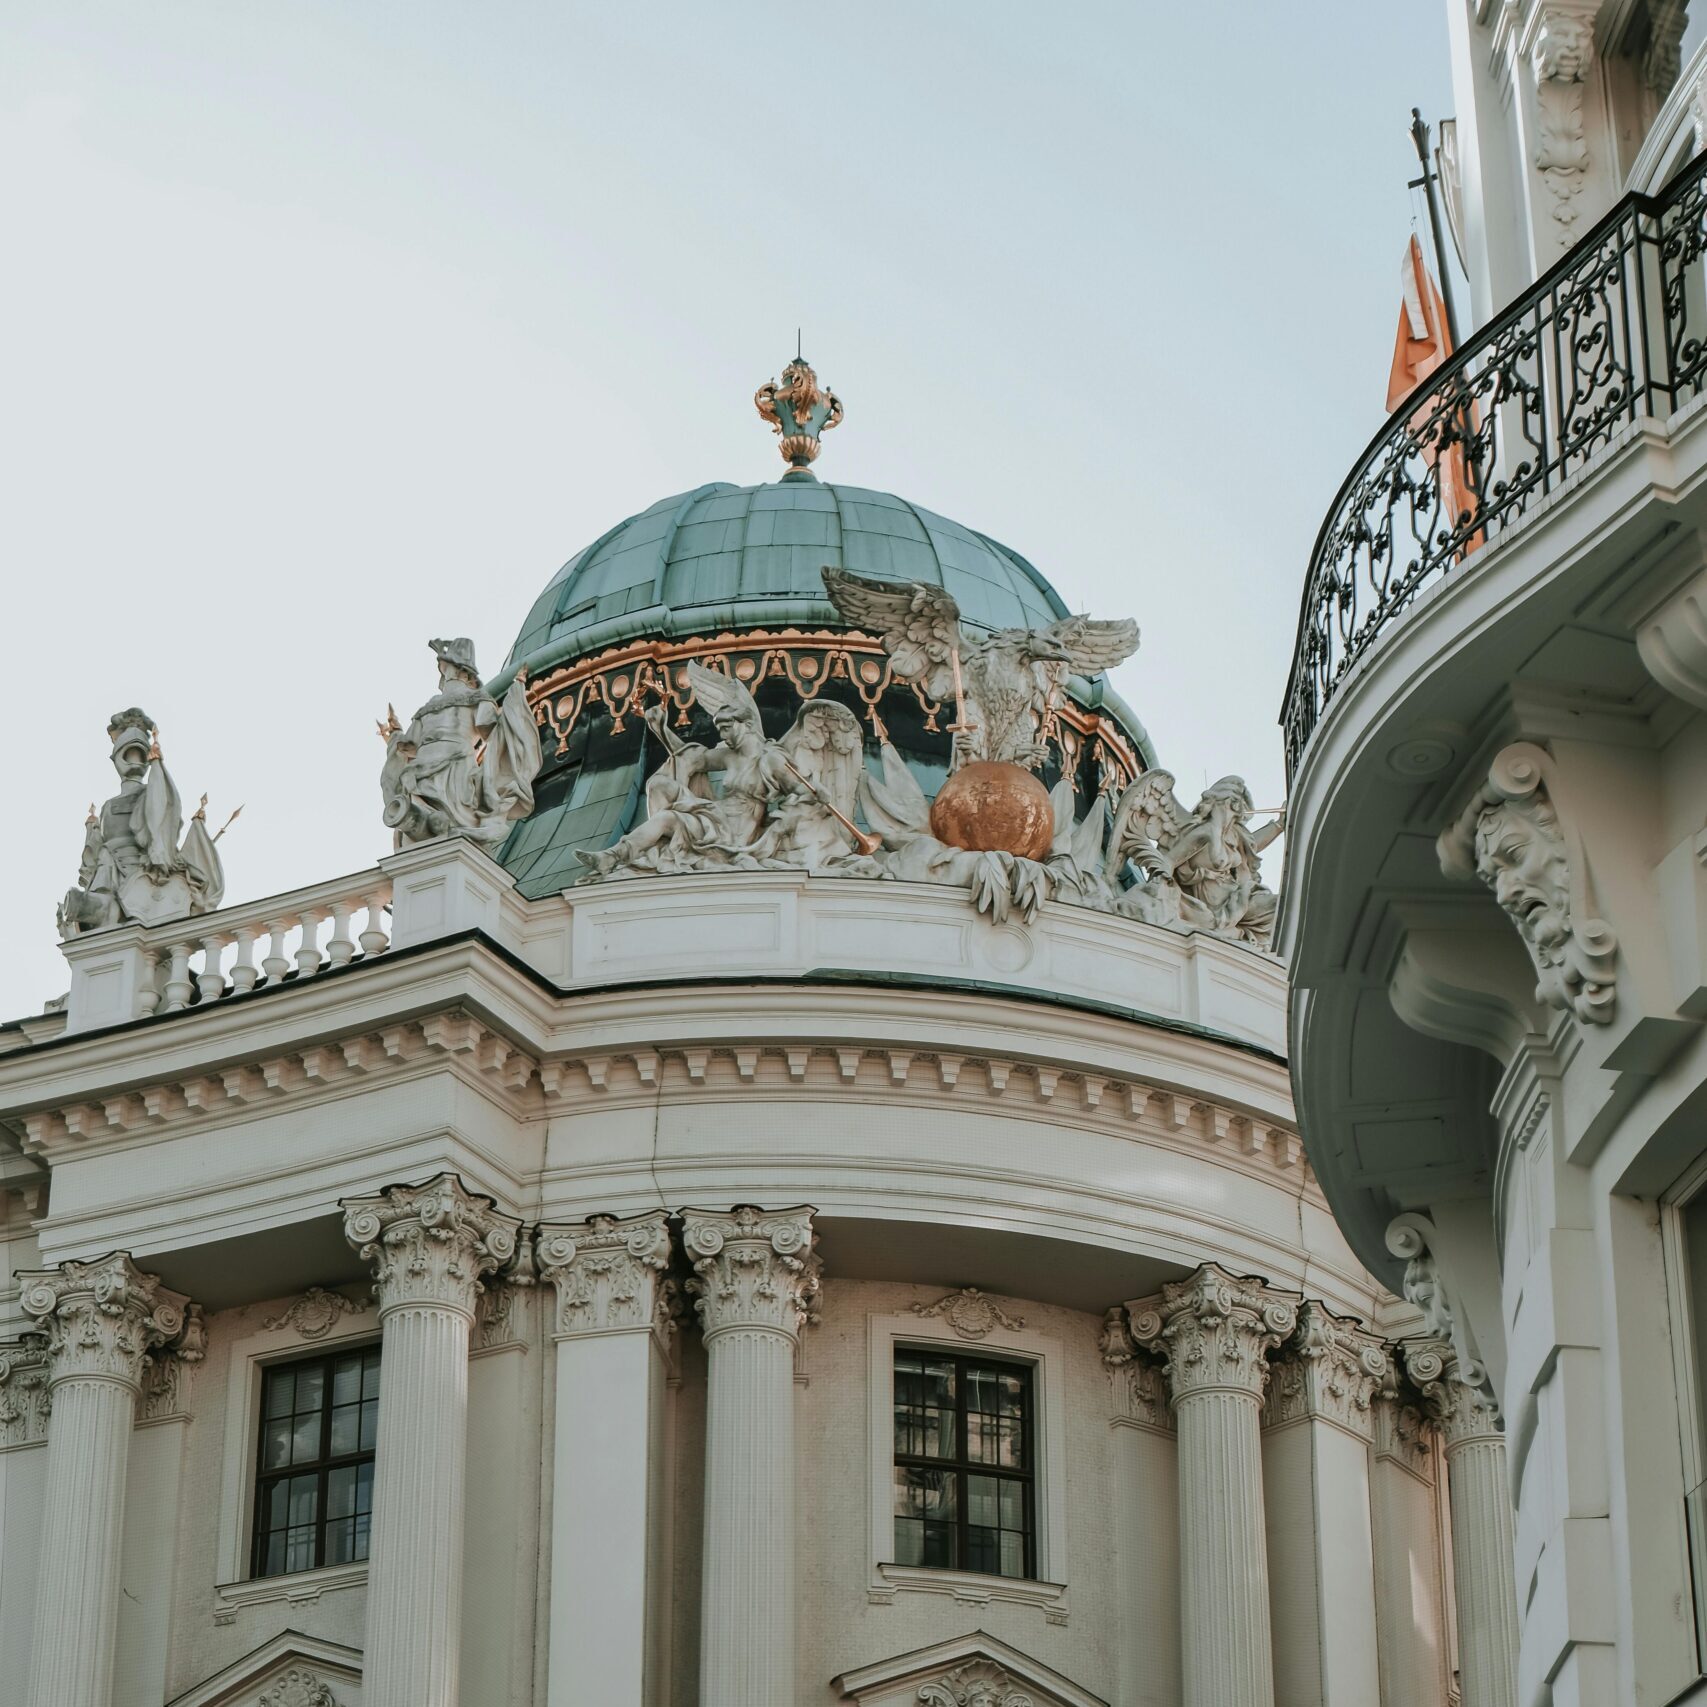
[1510, 836]
[1006, 686]
[1201, 870]
[781, 803]
[751, 803]
[466, 763]
[140, 865]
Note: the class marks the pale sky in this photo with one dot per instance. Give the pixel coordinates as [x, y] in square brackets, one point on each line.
[332, 326]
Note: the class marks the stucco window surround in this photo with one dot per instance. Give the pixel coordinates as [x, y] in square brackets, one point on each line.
[1046, 1357]
[249, 1357]
[1683, 1230]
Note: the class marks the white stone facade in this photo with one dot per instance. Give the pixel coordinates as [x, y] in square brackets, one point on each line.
[638, 1190]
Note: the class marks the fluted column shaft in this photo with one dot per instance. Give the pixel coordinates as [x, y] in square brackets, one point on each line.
[430, 1245]
[755, 1275]
[1479, 1493]
[102, 1320]
[1215, 1331]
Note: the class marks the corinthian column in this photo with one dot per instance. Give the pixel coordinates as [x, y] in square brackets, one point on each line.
[754, 1276]
[1480, 1496]
[102, 1319]
[1215, 1331]
[429, 1245]
[613, 1327]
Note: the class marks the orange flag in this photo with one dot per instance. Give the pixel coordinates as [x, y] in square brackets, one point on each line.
[1422, 345]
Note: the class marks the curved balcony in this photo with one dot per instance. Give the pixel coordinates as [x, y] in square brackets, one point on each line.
[1616, 333]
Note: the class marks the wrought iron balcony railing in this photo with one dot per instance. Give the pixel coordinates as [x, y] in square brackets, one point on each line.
[1615, 332]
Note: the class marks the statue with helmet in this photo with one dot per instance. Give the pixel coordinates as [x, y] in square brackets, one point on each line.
[140, 865]
[466, 763]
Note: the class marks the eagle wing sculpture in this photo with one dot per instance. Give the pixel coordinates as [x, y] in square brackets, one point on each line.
[918, 625]
[1091, 645]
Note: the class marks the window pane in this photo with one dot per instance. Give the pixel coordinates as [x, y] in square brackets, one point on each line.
[361, 1522]
[275, 1443]
[341, 1492]
[273, 1564]
[924, 1493]
[981, 1500]
[1013, 1505]
[1013, 1554]
[299, 1550]
[909, 1541]
[370, 1375]
[304, 1497]
[370, 1424]
[305, 1438]
[310, 1386]
[281, 1393]
[340, 1538]
[347, 1379]
[346, 1429]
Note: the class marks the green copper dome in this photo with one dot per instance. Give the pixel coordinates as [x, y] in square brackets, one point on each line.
[725, 559]
[739, 556]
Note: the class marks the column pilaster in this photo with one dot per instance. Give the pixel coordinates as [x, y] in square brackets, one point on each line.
[102, 1320]
[755, 1275]
[1215, 1331]
[1409, 1600]
[613, 1327]
[430, 1246]
[1145, 1502]
[1318, 1425]
[1480, 1496]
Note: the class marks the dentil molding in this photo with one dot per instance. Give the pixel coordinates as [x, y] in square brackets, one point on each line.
[429, 1244]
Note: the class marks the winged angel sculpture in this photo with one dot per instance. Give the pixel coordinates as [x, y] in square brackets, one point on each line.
[782, 803]
[1005, 685]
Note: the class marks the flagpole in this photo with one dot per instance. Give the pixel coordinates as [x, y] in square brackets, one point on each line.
[1419, 135]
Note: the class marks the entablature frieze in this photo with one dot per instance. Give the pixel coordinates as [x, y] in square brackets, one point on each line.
[526, 1087]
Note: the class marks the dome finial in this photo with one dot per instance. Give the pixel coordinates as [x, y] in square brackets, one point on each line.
[799, 409]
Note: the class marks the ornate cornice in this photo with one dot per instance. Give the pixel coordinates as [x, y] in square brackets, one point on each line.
[25, 1400]
[1137, 1384]
[102, 1319]
[429, 1244]
[314, 1314]
[1214, 1330]
[1331, 1371]
[972, 1314]
[1454, 1393]
[610, 1275]
[753, 1268]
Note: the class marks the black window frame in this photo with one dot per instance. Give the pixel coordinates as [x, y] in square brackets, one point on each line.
[321, 1466]
[961, 1466]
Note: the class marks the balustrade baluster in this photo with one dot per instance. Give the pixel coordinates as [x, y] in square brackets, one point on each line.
[308, 955]
[341, 948]
[276, 964]
[211, 980]
[375, 939]
[244, 972]
[178, 989]
[148, 986]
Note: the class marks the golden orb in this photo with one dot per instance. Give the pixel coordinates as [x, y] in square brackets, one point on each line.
[996, 807]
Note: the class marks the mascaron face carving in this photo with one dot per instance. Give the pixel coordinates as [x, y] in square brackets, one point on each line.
[980, 1684]
[1511, 837]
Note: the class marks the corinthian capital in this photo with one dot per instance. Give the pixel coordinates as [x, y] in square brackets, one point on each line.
[429, 1244]
[102, 1318]
[610, 1274]
[753, 1268]
[1454, 1391]
[1332, 1371]
[1215, 1331]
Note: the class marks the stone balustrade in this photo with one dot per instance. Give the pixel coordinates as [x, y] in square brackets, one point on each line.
[136, 970]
